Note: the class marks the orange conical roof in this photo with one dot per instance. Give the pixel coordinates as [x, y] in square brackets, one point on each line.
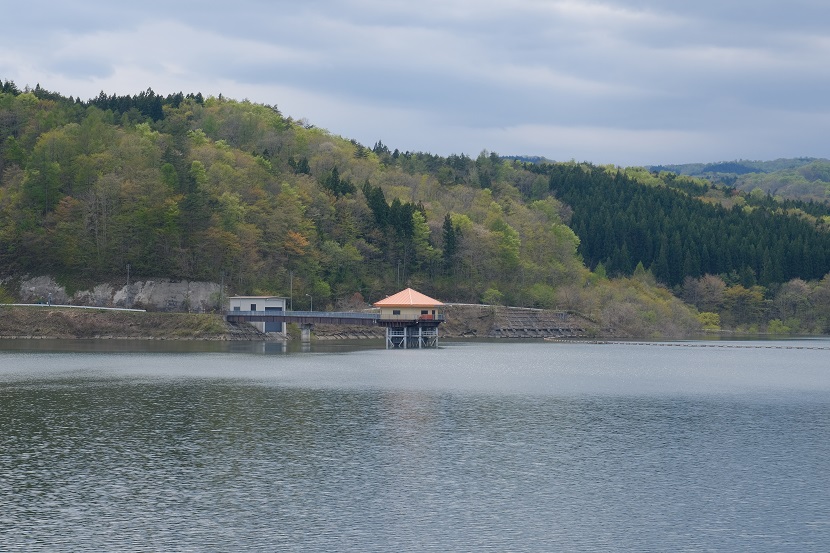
[408, 298]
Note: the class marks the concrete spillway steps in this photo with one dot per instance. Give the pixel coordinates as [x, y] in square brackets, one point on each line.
[531, 323]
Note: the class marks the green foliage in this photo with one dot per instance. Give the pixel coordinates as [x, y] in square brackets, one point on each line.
[709, 320]
[5, 296]
[509, 244]
[799, 305]
[337, 185]
[599, 273]
[743, 306]
[300, 167]
[541, 295]
[491, 296]
[621, 222]
[800, 178]
[190, 187]
[637, 308]
[775, 326]
[450, 235]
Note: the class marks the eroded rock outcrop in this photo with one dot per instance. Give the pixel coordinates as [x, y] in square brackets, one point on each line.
[153, 295]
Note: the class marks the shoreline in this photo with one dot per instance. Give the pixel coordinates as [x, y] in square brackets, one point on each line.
[40, 321]
[58, 322]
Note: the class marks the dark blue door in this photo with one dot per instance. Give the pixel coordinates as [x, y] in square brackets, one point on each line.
[273, 327]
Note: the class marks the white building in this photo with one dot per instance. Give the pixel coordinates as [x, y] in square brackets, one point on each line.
[260, 304]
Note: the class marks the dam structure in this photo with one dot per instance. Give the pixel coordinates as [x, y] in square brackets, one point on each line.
[411, 319]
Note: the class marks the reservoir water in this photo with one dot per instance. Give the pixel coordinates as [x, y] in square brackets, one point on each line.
[469, 447]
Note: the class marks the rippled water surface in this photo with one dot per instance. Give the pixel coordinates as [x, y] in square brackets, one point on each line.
[471, 447]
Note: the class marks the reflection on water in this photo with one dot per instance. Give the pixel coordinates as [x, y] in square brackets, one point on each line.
[473, 447]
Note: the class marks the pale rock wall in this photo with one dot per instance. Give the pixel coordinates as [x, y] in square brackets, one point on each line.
[38, 289]
[154, 295]
[170, 295]
[100, 295]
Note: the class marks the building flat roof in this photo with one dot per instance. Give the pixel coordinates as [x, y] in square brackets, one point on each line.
[257, 298]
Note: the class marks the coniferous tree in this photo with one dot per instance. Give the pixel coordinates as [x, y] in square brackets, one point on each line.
[450, 242]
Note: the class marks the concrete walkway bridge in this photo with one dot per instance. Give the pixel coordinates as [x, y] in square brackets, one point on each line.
[401, 331]
[304, 317]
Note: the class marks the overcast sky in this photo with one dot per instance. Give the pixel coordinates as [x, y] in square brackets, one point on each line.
[629, 82]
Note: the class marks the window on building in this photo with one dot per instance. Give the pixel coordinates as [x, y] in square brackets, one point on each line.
[396, 311]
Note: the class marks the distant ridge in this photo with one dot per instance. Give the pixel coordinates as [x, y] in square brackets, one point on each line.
[528, 159]
[736, 167]
[802, 178]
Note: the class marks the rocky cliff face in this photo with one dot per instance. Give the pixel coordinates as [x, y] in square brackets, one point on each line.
[153, 295]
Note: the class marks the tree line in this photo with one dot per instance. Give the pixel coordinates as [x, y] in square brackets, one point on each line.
[190, 187]
[622, 223]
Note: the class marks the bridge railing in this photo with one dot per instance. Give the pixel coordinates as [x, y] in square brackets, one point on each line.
[317, 314]
[411, 317]
[331, 314]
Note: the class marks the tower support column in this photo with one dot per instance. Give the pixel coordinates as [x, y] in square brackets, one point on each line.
[305, 332]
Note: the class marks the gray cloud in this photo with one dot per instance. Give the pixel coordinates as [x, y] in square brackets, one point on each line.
[620, 81]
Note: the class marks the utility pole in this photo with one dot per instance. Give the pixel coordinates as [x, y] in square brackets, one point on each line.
[221, 291]
[129, 294]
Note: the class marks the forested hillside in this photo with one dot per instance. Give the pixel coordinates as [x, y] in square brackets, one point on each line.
[805, 179]
[214, 189]
[668, 228]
